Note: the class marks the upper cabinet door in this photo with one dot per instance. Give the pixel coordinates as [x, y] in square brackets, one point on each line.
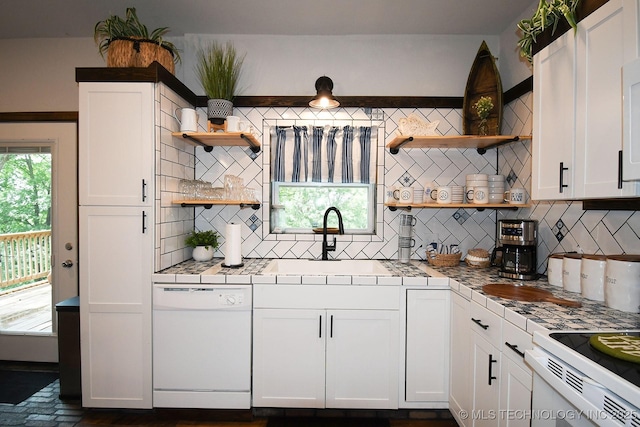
[631, 120]
[553, 164]
[606, 41]
[116, 151]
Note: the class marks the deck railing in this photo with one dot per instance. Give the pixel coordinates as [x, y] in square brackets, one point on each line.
[24, 257]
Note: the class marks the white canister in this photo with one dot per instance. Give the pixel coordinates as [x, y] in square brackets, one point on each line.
[622, 283]
[571, 264]
[554, 269]
[592, 276]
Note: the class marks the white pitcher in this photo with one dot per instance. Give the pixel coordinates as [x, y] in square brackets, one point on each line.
[188, 119]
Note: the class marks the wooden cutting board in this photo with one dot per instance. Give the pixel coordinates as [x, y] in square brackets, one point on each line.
[526, 293]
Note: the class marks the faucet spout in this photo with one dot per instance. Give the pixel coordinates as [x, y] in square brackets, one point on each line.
[326, 246]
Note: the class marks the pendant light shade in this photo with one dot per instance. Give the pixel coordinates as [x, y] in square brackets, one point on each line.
[324, 98]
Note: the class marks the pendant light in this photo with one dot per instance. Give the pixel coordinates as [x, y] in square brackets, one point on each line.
[324, 98]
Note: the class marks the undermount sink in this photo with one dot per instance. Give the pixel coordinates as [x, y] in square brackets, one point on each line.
[312, 267]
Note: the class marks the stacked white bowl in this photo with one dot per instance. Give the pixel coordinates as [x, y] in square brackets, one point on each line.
[496, 188]
[474, 181]
[457, 194]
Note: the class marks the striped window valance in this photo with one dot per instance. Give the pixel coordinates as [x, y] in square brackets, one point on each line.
[332, 154]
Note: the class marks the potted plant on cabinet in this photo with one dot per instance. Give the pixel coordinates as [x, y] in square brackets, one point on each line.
[548, 13]
[204, 244]
[218, 69]
[128, 43]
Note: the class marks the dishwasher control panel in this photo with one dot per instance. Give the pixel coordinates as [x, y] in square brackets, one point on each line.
[177, 296]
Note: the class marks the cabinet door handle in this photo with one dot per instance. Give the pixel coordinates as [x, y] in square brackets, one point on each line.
[514, 347]
[491, 362]
[331, 325]
[479, 323]
[562, 184]
[144, 222]
[320, 327]
[620, 170]
[144, 190]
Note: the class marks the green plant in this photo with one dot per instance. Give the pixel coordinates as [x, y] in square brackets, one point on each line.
[117, 28]
[218, 69]
[203, 238]
[548, 14]
[483, 107]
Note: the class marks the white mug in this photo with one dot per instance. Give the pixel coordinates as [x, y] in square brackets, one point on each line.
[441, 195]
[469, 194]
[188, 119]
[515, 196]
[406, 195]
[480, 195]
[234, 124]
[428, 188]
[393, 194]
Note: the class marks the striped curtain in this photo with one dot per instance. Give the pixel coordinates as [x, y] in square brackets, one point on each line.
[330, 156]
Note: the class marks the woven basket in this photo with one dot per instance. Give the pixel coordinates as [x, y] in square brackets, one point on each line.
[138, 53]
[444, 260]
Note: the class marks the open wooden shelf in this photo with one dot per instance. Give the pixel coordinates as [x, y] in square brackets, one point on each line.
[481, 143]
[208, 140]
[207, 204]
[394, 206]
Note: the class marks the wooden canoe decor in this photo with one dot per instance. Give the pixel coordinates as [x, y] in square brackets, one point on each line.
[483, 80]
[526, 293]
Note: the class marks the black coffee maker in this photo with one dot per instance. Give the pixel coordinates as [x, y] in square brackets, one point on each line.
[518, 238]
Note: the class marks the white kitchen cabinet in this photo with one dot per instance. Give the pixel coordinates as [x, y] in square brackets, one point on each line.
[426, 373]
[460, 392]
[577, 145]
[516, 379]
[116, 225]
[631, 120]
[486, 328]
[116, 153]
[115, 307]
[325, 358]
[553, 158]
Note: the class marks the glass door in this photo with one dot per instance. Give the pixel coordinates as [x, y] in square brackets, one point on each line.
[38, 235]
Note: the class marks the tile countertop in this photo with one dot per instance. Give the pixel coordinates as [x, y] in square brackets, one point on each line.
[593, 315]
[531, 316]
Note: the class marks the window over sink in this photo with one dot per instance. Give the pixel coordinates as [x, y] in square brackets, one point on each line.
[316, 165]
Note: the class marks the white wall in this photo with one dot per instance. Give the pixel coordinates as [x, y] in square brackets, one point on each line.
[416, 65]
[513, 68]
[40, 74]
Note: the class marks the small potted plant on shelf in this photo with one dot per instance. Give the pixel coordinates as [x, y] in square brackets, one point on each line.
[204, 244]
[548, 13]
[128, 43]
[218, 69]
[483, 107]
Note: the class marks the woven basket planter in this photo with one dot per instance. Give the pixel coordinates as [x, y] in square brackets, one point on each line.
[138, 53]
[218, 110]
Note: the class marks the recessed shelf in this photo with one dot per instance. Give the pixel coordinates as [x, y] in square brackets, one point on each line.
[208, 140]
[207, 204]
[480, 143]
[395, 206]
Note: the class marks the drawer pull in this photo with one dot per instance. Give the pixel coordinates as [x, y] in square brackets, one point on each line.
[514, 347]
[491, 362]
[479, 323]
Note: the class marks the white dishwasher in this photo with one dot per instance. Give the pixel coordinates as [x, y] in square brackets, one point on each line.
[201, 346]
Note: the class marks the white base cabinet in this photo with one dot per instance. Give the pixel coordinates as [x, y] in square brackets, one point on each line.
[328, 346]
[426, 349]
[460, 397]
[490, 383]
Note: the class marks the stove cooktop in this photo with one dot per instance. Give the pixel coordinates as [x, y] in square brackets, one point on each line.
[579, 342]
